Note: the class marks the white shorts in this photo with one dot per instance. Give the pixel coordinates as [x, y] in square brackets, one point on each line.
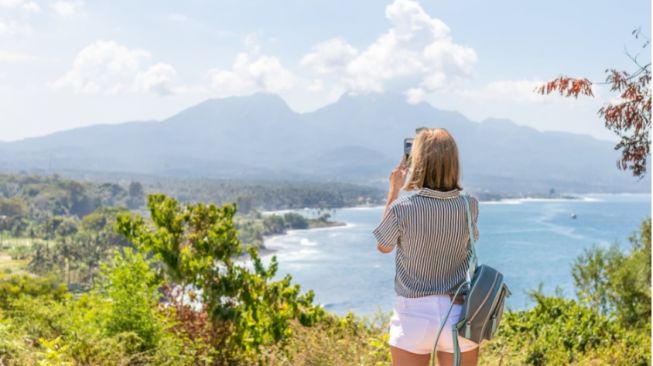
[415, 323]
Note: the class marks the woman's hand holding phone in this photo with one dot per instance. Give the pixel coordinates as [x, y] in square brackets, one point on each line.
[397, 179]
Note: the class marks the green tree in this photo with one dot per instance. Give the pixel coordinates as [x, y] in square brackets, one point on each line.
[295, 221]
[132, 289]
[617, 282]
[197, 245]
[274, 224]
[12, 207]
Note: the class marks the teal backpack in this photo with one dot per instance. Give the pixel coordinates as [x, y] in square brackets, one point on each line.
[483, 301]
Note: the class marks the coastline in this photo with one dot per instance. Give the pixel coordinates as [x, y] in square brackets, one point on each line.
[264, 250]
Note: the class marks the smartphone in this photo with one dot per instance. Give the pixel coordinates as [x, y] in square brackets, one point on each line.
[408, 146]
[408, 143]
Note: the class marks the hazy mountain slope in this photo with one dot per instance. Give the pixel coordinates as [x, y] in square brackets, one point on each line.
[357, 138]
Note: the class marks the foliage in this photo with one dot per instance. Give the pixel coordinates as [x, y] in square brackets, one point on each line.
[132, 289]
[268, 195]
[13, 215]
[618, 283]
[251, 230]
[346, 340]
[591, 276]
[15, 286]
[77, 247]
[51, 195]
[34, 206]
[253, 227]
[558, 331]
[629, 117]
[197, 245]
[274, 224]
[120, 322]
[295, 221]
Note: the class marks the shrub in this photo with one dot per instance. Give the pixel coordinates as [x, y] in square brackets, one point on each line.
[196, 246]
[336, 340]
[132, 291]
[616, 282]
[295, 221]
[14, 286]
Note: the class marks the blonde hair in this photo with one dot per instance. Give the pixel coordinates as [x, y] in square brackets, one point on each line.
[434, 161]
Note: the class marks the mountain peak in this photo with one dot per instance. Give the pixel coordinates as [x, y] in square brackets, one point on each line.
[263, 102]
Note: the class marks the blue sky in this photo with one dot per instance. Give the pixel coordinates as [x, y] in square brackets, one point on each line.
[71, 63]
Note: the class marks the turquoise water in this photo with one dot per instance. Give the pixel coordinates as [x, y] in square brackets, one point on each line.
[531, 241]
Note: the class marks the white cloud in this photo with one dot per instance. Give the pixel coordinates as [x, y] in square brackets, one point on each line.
[416, 56]
[252, 72]
[329, 57]
[157, 78]
[315, 86]
[415, 95]
[67, 7]
[108, 67]
[28, 6]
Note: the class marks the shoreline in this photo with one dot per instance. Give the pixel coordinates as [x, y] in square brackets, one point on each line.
[263, 250]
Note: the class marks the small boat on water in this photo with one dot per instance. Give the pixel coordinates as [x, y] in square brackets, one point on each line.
[573, 216]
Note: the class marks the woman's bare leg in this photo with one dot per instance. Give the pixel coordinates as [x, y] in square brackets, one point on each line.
[401, 357]
[469, 358]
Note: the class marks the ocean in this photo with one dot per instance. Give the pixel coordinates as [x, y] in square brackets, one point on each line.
[533, 242]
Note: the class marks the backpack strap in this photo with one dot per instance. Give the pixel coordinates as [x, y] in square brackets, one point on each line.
[456, 346]
[454, 330]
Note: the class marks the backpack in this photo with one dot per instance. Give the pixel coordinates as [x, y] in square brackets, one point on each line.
[483, 303]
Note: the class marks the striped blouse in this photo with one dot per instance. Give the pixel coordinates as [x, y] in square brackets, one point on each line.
[429, 230]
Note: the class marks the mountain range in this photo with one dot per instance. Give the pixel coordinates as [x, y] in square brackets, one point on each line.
[357, 138]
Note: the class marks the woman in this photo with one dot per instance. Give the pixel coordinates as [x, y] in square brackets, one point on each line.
[430, 232]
